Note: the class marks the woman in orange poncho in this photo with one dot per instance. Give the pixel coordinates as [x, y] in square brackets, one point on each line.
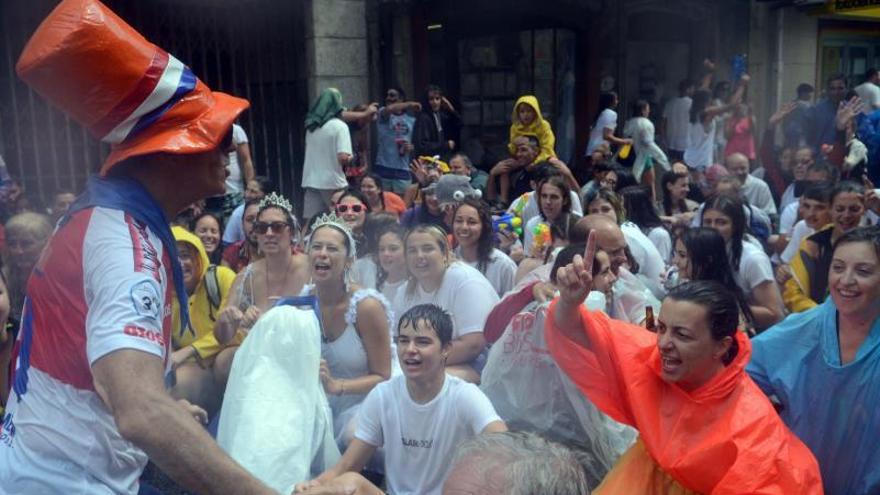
[704, 426]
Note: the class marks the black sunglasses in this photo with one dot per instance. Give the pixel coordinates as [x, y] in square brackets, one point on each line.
[263, 227]
[354, 208]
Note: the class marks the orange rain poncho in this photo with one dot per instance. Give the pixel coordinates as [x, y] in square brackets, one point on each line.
[723, 438]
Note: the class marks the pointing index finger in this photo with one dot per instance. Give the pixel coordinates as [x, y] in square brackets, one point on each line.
[590, 252]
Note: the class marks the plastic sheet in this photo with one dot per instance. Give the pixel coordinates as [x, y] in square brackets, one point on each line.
[275, 419]
[531, 393]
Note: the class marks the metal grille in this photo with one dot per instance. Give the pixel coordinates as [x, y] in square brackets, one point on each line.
[253, 49]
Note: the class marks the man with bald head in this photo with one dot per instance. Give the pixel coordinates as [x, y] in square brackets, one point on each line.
[755, 190]
[631, 294]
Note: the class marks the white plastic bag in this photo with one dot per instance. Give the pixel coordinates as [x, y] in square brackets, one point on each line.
[531, 393]
[275, 419]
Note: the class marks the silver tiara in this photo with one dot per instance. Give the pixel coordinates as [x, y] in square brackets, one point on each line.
[331, 220]
[277, 200]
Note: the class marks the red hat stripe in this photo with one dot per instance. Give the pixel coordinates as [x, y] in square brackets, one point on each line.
[136, 96]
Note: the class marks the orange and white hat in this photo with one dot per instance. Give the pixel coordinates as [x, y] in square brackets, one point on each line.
[126, 91]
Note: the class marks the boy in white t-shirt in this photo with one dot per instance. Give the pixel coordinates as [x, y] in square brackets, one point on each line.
[418, 418]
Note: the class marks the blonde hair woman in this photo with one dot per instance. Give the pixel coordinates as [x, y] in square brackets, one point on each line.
[435, 277]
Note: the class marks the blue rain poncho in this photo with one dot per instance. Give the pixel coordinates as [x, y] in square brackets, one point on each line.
[833, 408]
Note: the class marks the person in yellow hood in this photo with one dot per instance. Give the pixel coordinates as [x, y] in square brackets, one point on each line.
[527, 128]
[207, 288]
[528, 121]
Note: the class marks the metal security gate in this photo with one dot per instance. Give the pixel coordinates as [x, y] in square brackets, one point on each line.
[249, 48]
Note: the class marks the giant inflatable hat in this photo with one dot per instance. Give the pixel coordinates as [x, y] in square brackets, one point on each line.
[126, 91]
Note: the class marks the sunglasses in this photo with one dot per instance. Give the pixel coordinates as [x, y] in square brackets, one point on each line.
[263, 227]
[345, 208]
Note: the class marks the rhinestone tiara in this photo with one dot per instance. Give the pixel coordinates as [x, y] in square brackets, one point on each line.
[331, 220]
[277, 200]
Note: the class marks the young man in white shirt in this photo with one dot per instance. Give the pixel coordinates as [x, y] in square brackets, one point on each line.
[676, 115]
[418, 418]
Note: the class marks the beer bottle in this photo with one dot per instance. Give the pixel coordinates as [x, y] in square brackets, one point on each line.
[649, 319]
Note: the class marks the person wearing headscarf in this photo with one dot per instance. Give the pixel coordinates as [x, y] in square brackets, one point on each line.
[328, 149]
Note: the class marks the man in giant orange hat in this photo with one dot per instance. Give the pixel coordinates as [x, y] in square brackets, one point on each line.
[89, 405]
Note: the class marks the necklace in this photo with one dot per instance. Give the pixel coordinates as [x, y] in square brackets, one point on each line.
[272, 299]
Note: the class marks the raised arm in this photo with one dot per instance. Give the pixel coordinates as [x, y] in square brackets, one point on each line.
[574, 282]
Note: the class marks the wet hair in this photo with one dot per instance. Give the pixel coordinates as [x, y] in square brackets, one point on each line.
[870, 235]
[430, 315]
[543, 171]
[819, 191]
[722, 310]
[609, 196]
[669, 177]
[732, 207]
[700, 100]
[390, 228]
[707, 257]
[639, 106]
[486, 242]
[639, 208]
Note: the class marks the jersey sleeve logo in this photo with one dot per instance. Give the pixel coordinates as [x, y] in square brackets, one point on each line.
[145, 299]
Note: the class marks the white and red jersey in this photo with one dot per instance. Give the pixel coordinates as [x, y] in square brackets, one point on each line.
[100, 286]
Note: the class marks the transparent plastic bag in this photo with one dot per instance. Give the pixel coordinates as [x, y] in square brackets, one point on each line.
[531, 393]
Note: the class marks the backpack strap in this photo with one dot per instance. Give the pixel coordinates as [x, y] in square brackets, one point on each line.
[212, 286]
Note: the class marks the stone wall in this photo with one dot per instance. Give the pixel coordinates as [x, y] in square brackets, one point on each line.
[336, 48]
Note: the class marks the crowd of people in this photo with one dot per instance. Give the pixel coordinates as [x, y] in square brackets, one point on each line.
[668, 315]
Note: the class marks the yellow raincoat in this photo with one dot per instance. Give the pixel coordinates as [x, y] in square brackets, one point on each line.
[202, 316]
[539, 128]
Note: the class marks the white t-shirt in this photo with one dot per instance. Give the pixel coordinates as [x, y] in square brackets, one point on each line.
[103, 288]
[788, 197]
[788, 217]
[677, 113]
[870, 95]
[234, 182]
[662, 241]
[420, 439]
[233, 231]
[464, 293]
[798, 233]
[500, 270]
[758, 194]
[321, 168]
[701, 145]
[531, 210]
[607, 120]
[651, 264]
[754, 268]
